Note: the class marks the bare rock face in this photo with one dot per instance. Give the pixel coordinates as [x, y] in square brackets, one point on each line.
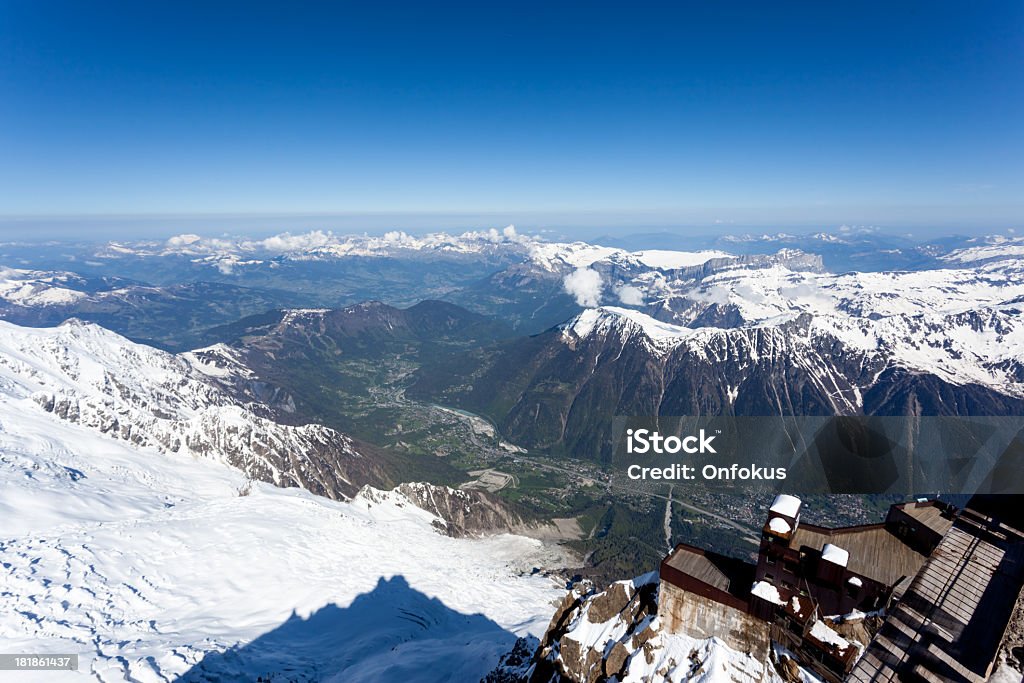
[789, 669]
[467, 513]
[459, 513]
[625, 611]
[606, 605]
[515, 665]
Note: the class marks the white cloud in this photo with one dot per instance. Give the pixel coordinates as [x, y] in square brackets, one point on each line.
[808, 292]
[630, 295]
[711, 295]
[585, 286]
[400, 237]
[506, 234]
[748, 293]
[286, 242]
[183, 240]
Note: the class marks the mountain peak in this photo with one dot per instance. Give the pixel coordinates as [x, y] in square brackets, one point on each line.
[596, 320]
[626, 323]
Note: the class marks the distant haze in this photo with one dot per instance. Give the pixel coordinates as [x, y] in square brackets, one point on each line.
[583, 225]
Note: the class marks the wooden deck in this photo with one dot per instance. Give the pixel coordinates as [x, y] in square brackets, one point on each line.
[931, 516]
[874, 552]
[951, 619]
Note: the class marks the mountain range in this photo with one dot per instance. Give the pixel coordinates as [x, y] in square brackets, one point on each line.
[219, 456]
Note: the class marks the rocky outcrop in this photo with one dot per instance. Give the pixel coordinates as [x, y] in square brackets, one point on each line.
[615, 635]
[516, 664]
[458, 513]
[465, 513]
[623, 613]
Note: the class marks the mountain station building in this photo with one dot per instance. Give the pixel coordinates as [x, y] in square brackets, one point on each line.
[926, 595]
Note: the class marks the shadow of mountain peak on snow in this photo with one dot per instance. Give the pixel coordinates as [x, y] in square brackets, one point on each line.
[392, 633]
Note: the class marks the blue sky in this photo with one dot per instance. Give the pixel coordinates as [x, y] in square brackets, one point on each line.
[904, 115]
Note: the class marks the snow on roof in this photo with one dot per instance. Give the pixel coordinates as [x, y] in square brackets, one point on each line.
[799, 606]
[835, 555]
[779, 525]
[767, 591]
[822, 632]
[786, 505]
[854, 581]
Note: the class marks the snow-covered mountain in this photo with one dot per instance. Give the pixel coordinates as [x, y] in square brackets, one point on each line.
[140, 528]
[989, 249]
[521, 278]
[130, 539]
[85, 375]
[960, 338]
[547, 391]
[229, 254]
[173, 316]
[672, 252]
[961, 324]
[20, 287]
[753, 336]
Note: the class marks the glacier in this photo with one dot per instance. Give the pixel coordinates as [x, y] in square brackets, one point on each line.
[155, 564]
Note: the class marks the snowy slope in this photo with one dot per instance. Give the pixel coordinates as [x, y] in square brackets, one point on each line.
[628, 323]
[143, 560]
[670, 260]
[961, 325]
[84, 374]
[39, 288]
[990, 248]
